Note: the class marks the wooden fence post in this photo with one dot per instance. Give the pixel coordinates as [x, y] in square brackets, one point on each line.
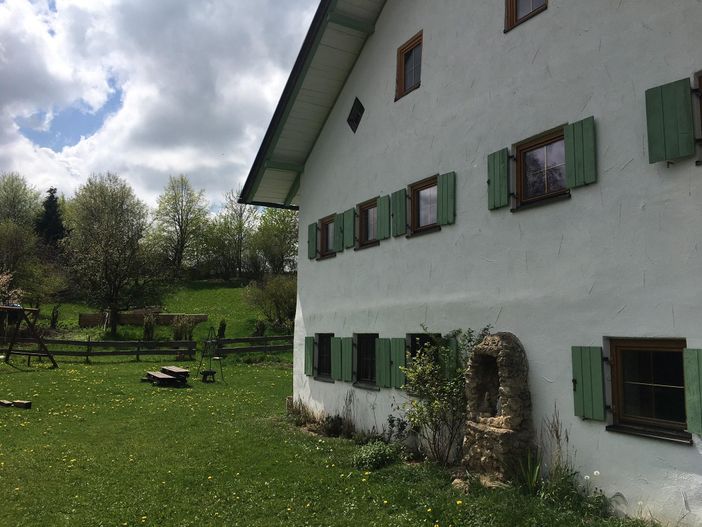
[87, 351]
[138, 350]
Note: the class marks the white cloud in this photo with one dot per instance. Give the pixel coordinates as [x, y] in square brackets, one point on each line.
[199, 80]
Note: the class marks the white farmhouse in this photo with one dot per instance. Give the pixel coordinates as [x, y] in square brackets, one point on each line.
[529, 164]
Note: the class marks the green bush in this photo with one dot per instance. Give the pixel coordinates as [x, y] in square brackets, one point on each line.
[276, 298]
[377, 454]
[435, 377]
[222, 329]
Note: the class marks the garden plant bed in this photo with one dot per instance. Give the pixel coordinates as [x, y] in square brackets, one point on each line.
[87, 454]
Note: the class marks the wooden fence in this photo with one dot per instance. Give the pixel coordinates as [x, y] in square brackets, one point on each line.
[223, 347]
[108, 348]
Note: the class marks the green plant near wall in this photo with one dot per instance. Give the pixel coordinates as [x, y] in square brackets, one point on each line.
[435, 377]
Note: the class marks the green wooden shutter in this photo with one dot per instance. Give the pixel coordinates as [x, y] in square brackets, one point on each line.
[446, 209]
[312, 241]
[383, 217]
[581, 153]
[336, 366]
[588, 382]
[339, 233]
[354, 357]
[347, 359]
[498, 179]
[398, 352]
[349, 228]
[399, 212]
[382, 363]
[309, 356]
[670, 122]
[692, 361]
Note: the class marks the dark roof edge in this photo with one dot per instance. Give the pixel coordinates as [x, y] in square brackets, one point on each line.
[271, 205]
[307, 47]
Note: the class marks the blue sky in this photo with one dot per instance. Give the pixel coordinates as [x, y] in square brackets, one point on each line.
[71, 124]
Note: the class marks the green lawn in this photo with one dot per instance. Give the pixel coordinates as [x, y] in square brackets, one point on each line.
[101, 448]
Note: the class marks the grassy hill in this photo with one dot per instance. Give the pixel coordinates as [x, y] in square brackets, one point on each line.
[218, 300]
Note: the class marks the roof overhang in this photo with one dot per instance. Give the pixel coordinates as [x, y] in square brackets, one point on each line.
[334, 41]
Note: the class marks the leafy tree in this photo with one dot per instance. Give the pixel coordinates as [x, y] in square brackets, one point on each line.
[180, 218]
[108, 262]
[228, 237]
[39, 280]
[19, 202]
[18, 248]
[50, 222]
[276, 240]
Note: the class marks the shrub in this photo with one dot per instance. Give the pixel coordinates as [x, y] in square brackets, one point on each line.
[259, 328]
[149, 327]
[376, 454]
[222, 329]
[332, 425]
[435, 377]
[53, 321]
[276, 298]
[299, 414]
[183, 328]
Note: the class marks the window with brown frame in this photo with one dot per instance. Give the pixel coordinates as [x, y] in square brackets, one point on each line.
[518, 11]
[368, 223]
[326, 235]
[541, 170]
[423, 204]
[322, 359]
[409, 66]
[648, 384]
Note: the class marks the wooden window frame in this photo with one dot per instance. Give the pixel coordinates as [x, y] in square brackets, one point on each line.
[361, 208]
[511, 20]
[324, 251]
[317, 348]
[372, 381]
[400, 91]
[637, 424]
[414, 189]
[521, 149]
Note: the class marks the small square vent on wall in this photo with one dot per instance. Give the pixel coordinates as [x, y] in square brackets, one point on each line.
[354, 118]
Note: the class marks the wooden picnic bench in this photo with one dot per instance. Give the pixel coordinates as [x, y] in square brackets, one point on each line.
[163, 379]
[176, 371]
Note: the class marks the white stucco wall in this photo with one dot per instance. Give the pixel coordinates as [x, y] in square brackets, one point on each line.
[621, 258]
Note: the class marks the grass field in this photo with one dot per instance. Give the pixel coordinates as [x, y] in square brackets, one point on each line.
[216, 299]
[101, 448]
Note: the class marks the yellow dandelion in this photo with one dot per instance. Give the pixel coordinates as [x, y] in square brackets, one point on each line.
[429, 510]
[459, 502]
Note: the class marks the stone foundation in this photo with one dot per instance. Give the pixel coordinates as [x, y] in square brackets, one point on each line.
[498, 429]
